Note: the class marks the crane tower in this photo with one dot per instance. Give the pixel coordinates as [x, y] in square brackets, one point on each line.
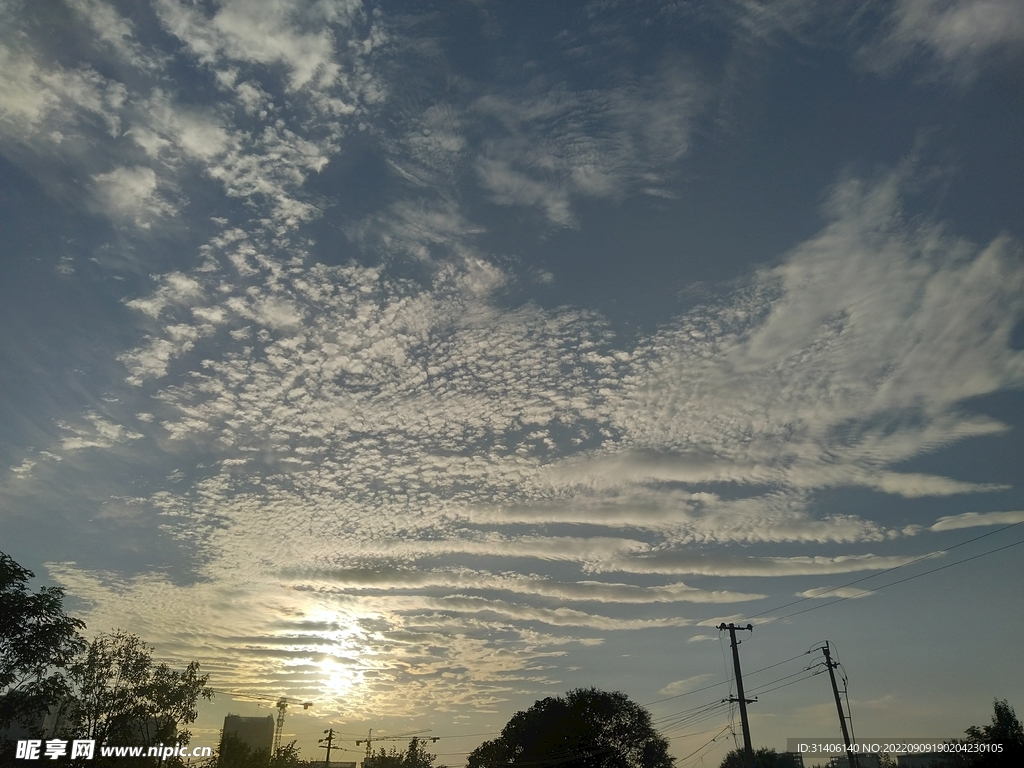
[281, 702]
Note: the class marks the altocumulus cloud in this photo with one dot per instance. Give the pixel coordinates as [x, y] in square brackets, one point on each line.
[399, 427]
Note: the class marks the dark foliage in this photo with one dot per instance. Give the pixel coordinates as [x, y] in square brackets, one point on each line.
[763, 758]
[37, 642]
[586, 728]
[1005, 730]
[235, 753]
[119, 696]
[416, 756]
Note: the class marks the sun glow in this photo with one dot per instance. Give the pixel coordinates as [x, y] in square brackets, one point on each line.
[335, 679]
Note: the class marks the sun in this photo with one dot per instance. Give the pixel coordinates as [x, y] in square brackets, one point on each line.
[336, 679]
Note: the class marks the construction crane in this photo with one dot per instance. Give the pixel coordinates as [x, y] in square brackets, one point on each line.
[281, 702]
[370, 738]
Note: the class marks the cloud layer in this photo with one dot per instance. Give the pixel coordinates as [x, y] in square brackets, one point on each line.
[401, 489]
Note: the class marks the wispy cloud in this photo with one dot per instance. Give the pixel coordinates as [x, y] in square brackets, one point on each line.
[684, 686]
[558, 143]
[977, 519]
[957, 37]
[832, 592]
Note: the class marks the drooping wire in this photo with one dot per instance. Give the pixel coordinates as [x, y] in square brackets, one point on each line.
[900, 581]
[791, 682]
[708, 712]
[710, 741]
[723, 682]
[890, 570]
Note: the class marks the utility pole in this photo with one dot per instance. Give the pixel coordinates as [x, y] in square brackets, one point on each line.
[329, 741]
[851, 758]
[748, 750]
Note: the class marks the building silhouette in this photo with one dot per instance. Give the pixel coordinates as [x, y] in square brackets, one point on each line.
[254, 732]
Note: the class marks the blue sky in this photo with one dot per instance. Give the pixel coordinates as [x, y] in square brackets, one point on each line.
[425, 360]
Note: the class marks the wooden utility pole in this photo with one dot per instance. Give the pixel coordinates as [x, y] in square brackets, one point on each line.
[851, 758]
[748, 750]
[329, 741]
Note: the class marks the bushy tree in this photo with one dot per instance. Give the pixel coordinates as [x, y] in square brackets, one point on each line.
[119, 696]
[384, 759]
[37, 642]
[235, 753]
[1005, 730]
[416, 756]
[586, 728]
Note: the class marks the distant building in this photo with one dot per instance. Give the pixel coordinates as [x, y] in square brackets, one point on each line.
[254, 732]
[791, 760]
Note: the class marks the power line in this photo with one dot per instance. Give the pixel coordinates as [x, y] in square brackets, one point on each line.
[778, 663]
[723, 682]
[707, 712]
[889, 570]
[711, 741]
[694, 733]
[900, 581]
[468, 735]
[779, 680]
[684, 712]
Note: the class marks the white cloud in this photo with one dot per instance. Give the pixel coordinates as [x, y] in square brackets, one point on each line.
[24, 469]
[175, 288]
[265, 33]
[98, 433]
[957, 35]
[558, 143]
[115, 32]
[832, 592]
[381, 578]
[683, 686]
[977, 519]
[561, 617]
[132, 193]
[723, 565]
[40, 103]
[915, 484]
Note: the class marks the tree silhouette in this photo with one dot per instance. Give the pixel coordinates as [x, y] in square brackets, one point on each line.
[764, 757]
[119, 696]
[383, 759]
[416, 756]
[586, 728]
[235, 753]
[1005, 730]
[37, 642]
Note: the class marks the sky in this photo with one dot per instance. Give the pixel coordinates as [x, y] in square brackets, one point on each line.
[421, 360]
